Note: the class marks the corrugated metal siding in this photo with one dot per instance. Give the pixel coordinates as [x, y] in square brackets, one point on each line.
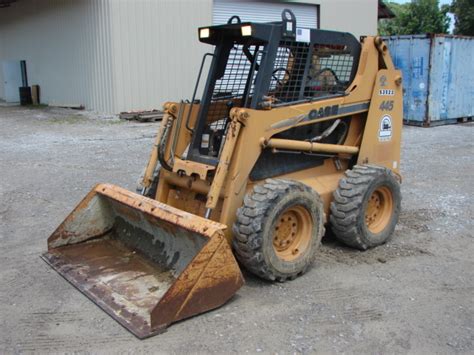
[2, 50]
[438, 76]
[107, 55]
[155, 50]
[263, 11]
[2, 91]
[114, 55]
[66, 47]
[452, 78]
[412, 56]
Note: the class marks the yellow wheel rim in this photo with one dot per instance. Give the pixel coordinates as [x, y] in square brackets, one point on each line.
[292, 233]
[379, 210]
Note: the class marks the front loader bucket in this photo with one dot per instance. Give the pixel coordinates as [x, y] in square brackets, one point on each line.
[143, 262]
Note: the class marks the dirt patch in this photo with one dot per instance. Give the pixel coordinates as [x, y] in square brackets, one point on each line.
[413, 294]
[411, 220]
[419, 219]
[333, 251]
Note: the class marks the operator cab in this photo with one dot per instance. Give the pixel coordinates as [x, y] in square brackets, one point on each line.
[264, 65]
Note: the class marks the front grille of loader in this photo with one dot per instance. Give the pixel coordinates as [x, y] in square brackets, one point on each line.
[299, 75]
[235, 87]
[289, 71]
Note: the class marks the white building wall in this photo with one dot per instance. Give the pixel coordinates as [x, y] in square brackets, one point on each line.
[358, 17]
[2, 50]
[115, 55]
[108, 55]
[155, 50]
[66, 45]
[2, 91]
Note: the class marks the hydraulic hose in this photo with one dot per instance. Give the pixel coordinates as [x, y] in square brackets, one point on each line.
[162, 145]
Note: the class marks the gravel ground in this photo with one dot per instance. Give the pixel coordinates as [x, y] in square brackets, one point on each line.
[414, 294]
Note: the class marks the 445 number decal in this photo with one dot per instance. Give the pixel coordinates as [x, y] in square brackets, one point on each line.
[386, 105]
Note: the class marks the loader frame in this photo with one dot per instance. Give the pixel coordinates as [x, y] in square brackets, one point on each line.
[284, 114]
[214, 186]
[271, 47]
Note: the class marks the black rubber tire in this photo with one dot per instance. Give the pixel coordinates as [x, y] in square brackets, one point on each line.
[151, 190]
[350, 201]
[253, 229]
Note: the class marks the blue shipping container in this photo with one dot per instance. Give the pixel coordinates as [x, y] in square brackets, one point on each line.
[438, 77]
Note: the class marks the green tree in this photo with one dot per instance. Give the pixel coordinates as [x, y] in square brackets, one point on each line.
[418, 16]
[463, 11]
[391, 26]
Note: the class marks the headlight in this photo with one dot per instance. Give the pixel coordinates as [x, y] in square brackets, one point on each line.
[204, 33]
[246, 30]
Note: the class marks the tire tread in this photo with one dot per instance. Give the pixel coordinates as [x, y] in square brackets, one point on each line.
[348, 198]
[247, 241]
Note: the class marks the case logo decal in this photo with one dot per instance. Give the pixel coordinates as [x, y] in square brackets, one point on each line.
[385, 131]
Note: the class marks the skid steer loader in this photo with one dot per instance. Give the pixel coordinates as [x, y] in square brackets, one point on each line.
[295, 128]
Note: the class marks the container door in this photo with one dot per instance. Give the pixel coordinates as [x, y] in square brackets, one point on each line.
[411, 54]
[12, 80]
[452, 79]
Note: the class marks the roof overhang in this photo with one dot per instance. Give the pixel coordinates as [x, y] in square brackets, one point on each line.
[384, 11]
[6, 3]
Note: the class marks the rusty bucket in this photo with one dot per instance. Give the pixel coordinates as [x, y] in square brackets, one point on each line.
[143, 262]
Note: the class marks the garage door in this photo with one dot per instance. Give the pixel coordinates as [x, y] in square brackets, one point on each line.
[264, 11]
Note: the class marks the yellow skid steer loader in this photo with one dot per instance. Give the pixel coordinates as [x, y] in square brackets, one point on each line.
[294, 128]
